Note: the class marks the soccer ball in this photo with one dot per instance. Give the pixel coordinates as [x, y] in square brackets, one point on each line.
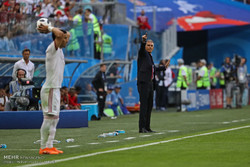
[43, 21]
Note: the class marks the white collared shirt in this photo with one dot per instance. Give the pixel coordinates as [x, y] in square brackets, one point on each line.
[29, 68]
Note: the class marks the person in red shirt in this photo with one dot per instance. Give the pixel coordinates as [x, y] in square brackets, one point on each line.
[73, 99]
[142, 21]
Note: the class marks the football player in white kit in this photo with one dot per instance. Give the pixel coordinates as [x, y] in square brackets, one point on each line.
[50, 93]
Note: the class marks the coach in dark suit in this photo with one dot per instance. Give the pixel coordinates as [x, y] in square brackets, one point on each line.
[99, 84]
[146, 83]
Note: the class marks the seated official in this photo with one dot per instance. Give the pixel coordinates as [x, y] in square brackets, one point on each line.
[117, 100]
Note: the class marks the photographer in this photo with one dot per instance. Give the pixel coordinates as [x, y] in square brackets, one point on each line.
[229, 71]
[242, 82]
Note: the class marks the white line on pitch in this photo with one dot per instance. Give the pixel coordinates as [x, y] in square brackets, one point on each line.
[93, 143]
[18, 149]
[73, 146]
[138, 146]
[112, 141]
[145, 135]
[129, 138]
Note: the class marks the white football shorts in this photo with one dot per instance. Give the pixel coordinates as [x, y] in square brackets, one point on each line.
[50, 100]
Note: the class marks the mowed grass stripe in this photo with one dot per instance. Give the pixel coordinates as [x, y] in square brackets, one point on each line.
[138, 146]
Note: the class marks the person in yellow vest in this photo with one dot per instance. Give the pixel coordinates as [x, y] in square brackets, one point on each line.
[91, 18]
[182, 78]
[77, 21]
[73, 48]
[203, 81]
[182, 83]
[222, 81]
[107, 46]
[212, 75]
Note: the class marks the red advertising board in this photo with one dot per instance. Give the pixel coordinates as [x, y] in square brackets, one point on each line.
[216, 98]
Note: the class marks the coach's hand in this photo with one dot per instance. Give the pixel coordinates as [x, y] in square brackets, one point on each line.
[144, 37]
[167, 63]
[43, 29]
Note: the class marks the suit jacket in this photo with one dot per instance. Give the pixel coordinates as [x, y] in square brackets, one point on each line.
[99, 81]
[144, 66]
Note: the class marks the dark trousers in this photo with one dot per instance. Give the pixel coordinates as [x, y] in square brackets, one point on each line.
[160, 99]
[101, 98]
[146, 104]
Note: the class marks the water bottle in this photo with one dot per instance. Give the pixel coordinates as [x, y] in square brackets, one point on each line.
[113, 134]
[120, 131]
[70, 140]
[3, 146]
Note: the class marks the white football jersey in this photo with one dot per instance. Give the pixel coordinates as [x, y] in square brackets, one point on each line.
[54, 67]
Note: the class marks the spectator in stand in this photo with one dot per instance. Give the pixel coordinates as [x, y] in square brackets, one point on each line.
[73, 104]
[25, 64]
[47, 8]
[142, 21]
[108, 9]
[67, 8]
[91, 18]
[38, 11]
[5, 7]
[60, 18]
[3, 99]
[77, 21]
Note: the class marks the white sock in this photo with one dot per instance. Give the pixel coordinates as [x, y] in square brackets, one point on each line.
[52, 133]
[44, 131]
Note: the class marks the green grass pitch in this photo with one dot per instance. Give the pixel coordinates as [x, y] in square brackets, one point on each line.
[225, 149]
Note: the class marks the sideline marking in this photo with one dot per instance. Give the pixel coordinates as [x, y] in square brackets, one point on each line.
[73, 146]
[145, 135]
[129, 138]
[139, 146]
[112, 141]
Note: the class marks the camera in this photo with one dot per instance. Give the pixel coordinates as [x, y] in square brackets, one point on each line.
[237, 60]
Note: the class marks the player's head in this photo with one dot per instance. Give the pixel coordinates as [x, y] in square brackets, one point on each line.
[65, 38]
[103, 67]
[26, 54]
[149, 46]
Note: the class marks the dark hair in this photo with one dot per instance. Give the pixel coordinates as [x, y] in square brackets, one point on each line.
[88, 10]
[25, 50]
[102, 64]
[53, 35]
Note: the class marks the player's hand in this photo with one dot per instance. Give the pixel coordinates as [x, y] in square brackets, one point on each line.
[144, 37]
[43, 29]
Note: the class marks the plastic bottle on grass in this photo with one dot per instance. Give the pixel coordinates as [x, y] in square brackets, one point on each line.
[70, 140]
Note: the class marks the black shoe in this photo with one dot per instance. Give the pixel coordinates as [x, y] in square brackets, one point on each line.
[143, 130]
[151, 131]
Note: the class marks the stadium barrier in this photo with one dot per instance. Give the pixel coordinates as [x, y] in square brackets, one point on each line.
[210, 99]
[34, 119]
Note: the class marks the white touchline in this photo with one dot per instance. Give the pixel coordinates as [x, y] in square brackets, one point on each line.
[133, 147]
